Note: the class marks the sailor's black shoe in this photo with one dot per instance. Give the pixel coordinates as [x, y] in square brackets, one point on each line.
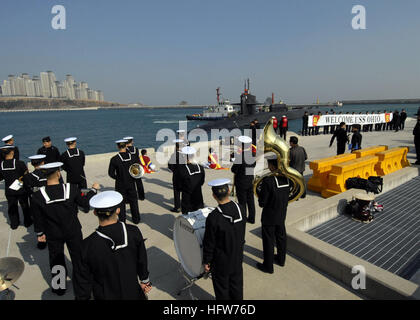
[262, 268]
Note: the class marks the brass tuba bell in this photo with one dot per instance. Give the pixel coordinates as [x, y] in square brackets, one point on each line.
[274, 143]
[136, 171]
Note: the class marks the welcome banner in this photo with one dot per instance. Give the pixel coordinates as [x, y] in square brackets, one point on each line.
[349, 119]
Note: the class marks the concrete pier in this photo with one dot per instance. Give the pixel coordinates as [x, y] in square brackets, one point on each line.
[299, 279]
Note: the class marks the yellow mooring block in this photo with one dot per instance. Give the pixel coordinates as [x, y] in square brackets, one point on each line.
[371, 151]
[392, 160]
[321, 170]
[360, 168]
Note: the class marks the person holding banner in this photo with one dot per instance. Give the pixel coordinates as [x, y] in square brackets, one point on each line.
[312, 128]
[326, 128]
[305, 121]
[370, 126]
[356, 139]
[396, 121]
[342, 139]
[389, 123]
[317, 127]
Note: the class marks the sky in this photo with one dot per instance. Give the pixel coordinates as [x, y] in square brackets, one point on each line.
[161, 52]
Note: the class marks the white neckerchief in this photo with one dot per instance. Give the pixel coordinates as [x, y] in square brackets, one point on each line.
[122, 159]
[193, 173]
[66, 188]
[7, 169]
[134, 148]
[74, 155]
[230, 218]
[281, 186]
[38, 178]
[115, 248]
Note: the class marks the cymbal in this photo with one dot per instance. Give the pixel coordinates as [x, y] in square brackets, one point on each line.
[10, 270]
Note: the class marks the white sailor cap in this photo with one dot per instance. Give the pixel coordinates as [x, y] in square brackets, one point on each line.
[37, 157]
[51, 167]
[121, 141]
[106, 200]
[70, 139]
[188, 150]
[270, 156]
[180, 131]
[128, 138]
[245, 139]
[283, 116]
[7, 147]
[7, 138]
[219, 182]
[178, 141]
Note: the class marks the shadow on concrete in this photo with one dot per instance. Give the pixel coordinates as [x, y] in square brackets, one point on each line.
[257, 232]
[3, 209]
[166, 276]
[49, 295]
[162, 223]
[161, 183]
[159, 200]
[31, 255]
[254, 251]
[251, 262]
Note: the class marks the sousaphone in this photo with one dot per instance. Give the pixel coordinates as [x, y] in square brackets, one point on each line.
[136, 171]
[274, 143]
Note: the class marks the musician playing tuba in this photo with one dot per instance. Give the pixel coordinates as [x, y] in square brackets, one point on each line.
[275, 190]
[274, 199]
[121, 166]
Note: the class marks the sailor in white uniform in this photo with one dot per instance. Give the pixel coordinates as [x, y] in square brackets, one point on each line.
[114, 257]
[73, 163]
[10, 141]
[33, 181]
[223, 243]
[118, 170]
[190, 177]
[177, 158]
[135, 153]
[12, 172]
[55, 209]
[182, 135]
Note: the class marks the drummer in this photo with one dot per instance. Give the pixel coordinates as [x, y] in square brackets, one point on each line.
[223, 243]
[190, 177]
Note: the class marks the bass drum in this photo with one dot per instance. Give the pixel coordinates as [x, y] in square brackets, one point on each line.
[188, 239]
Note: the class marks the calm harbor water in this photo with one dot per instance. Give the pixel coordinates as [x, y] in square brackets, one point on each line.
[98, 129]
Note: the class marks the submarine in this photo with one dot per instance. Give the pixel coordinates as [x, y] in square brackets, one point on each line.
[250, 109]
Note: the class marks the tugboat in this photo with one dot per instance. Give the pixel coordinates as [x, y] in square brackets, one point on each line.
[223, 110]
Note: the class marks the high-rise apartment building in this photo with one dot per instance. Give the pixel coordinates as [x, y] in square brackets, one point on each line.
[47, 86]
